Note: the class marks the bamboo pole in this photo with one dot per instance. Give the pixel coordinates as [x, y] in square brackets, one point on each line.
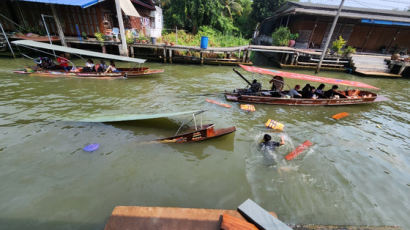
[59, 27]
[330, 36]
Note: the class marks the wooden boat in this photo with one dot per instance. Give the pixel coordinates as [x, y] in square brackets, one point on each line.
[198, 133]
[124, 72]
[347, 97]
[202, 133]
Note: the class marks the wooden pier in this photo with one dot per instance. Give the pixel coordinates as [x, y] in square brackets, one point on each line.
[372, 65]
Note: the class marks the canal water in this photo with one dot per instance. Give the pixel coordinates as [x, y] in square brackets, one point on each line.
[357, 172]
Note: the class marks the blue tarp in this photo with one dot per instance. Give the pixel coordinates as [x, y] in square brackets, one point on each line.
[82, 3]
[382, 22]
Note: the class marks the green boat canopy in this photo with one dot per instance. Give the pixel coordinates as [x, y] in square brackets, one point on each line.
[135, 117]
[33, 44]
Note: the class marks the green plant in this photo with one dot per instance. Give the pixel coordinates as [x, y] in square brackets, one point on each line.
[294, 36]
[100, 37]
[129, 40]
[282, 35]
[84, 35]
[349, 50]
[338, 44]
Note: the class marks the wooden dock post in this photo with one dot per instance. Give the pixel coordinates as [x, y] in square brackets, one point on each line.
[104, 49]
[201, 56]
[245, 52]
[248, 55]
[170, 56]
[132, 51]
[165, 55]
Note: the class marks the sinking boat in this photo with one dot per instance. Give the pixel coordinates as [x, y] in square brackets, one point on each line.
[199, 132]
[347, 97]
[122, 74]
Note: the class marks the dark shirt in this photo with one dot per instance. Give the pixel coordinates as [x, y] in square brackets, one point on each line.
[330, 93]
[256, 87]
[270, 145]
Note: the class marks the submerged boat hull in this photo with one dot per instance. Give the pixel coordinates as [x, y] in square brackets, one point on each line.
[365, 97]
[204, 133]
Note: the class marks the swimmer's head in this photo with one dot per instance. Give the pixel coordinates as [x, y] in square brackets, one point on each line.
[267, 138]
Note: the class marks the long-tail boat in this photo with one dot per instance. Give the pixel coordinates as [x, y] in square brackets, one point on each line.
[199, 132]
[123, 72]
[347, 97]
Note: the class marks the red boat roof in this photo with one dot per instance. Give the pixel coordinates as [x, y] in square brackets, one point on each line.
[306, 77]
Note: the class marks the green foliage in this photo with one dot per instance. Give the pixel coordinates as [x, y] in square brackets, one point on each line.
[99, 36]
[282, 35]
[216, 38]
[338, 44]
[243, 21]
[84, 35]
[265, 8]
[349, 50]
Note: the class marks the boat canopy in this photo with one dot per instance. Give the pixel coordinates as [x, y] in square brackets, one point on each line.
[306, 77]
[33, 44]
[135, 117]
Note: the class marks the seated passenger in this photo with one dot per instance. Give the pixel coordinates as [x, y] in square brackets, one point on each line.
[319, 91]
[63, 62]
[271, 145]
[89, 66]
[255, 86]
[111, 68]
[294, 92]
[332, 92]
[307, 91]
[102, 67]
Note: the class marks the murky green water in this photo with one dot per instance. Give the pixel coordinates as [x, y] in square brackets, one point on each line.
[357, 172]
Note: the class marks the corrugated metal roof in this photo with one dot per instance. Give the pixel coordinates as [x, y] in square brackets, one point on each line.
[81, 3]
[347, 12]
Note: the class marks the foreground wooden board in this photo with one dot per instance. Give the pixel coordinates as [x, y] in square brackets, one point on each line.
[136, 217]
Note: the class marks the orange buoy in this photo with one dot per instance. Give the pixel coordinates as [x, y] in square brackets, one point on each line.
[249, 108]
[298, 150]
[340, 115]
[218, 103]
[274, 125]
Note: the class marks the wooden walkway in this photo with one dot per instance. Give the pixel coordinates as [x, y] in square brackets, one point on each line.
[372, 65]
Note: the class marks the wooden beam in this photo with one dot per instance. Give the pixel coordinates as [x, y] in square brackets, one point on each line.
[123, 49]
[59, 27]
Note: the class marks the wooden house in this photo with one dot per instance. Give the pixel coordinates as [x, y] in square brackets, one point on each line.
[367, 30]
[77, 18]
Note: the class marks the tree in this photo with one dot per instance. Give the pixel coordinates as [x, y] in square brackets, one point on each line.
[231, 6]
[262, 9]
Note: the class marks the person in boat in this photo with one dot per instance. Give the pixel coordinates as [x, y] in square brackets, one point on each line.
[307, 91]
[111, 68]
[313, 92]
[319, 91]
[63, 62]
[267, 142]
[277, 86]
[255, 86]
[89, 66]
[294, 92]
[333, 93]
[102, 67]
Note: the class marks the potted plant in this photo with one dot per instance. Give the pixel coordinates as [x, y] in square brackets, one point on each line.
[84, 35]
[283, 37]
[292, 40]
[349, 51]
[337, 46]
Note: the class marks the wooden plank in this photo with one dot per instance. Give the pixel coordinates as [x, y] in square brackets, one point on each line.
[233, 223]
[260, 217]
[161, 218]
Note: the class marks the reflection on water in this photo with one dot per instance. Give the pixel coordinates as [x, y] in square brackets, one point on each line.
[357, 171]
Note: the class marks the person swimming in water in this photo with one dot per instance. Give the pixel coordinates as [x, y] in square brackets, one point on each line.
[268, 143]
[267, 147]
